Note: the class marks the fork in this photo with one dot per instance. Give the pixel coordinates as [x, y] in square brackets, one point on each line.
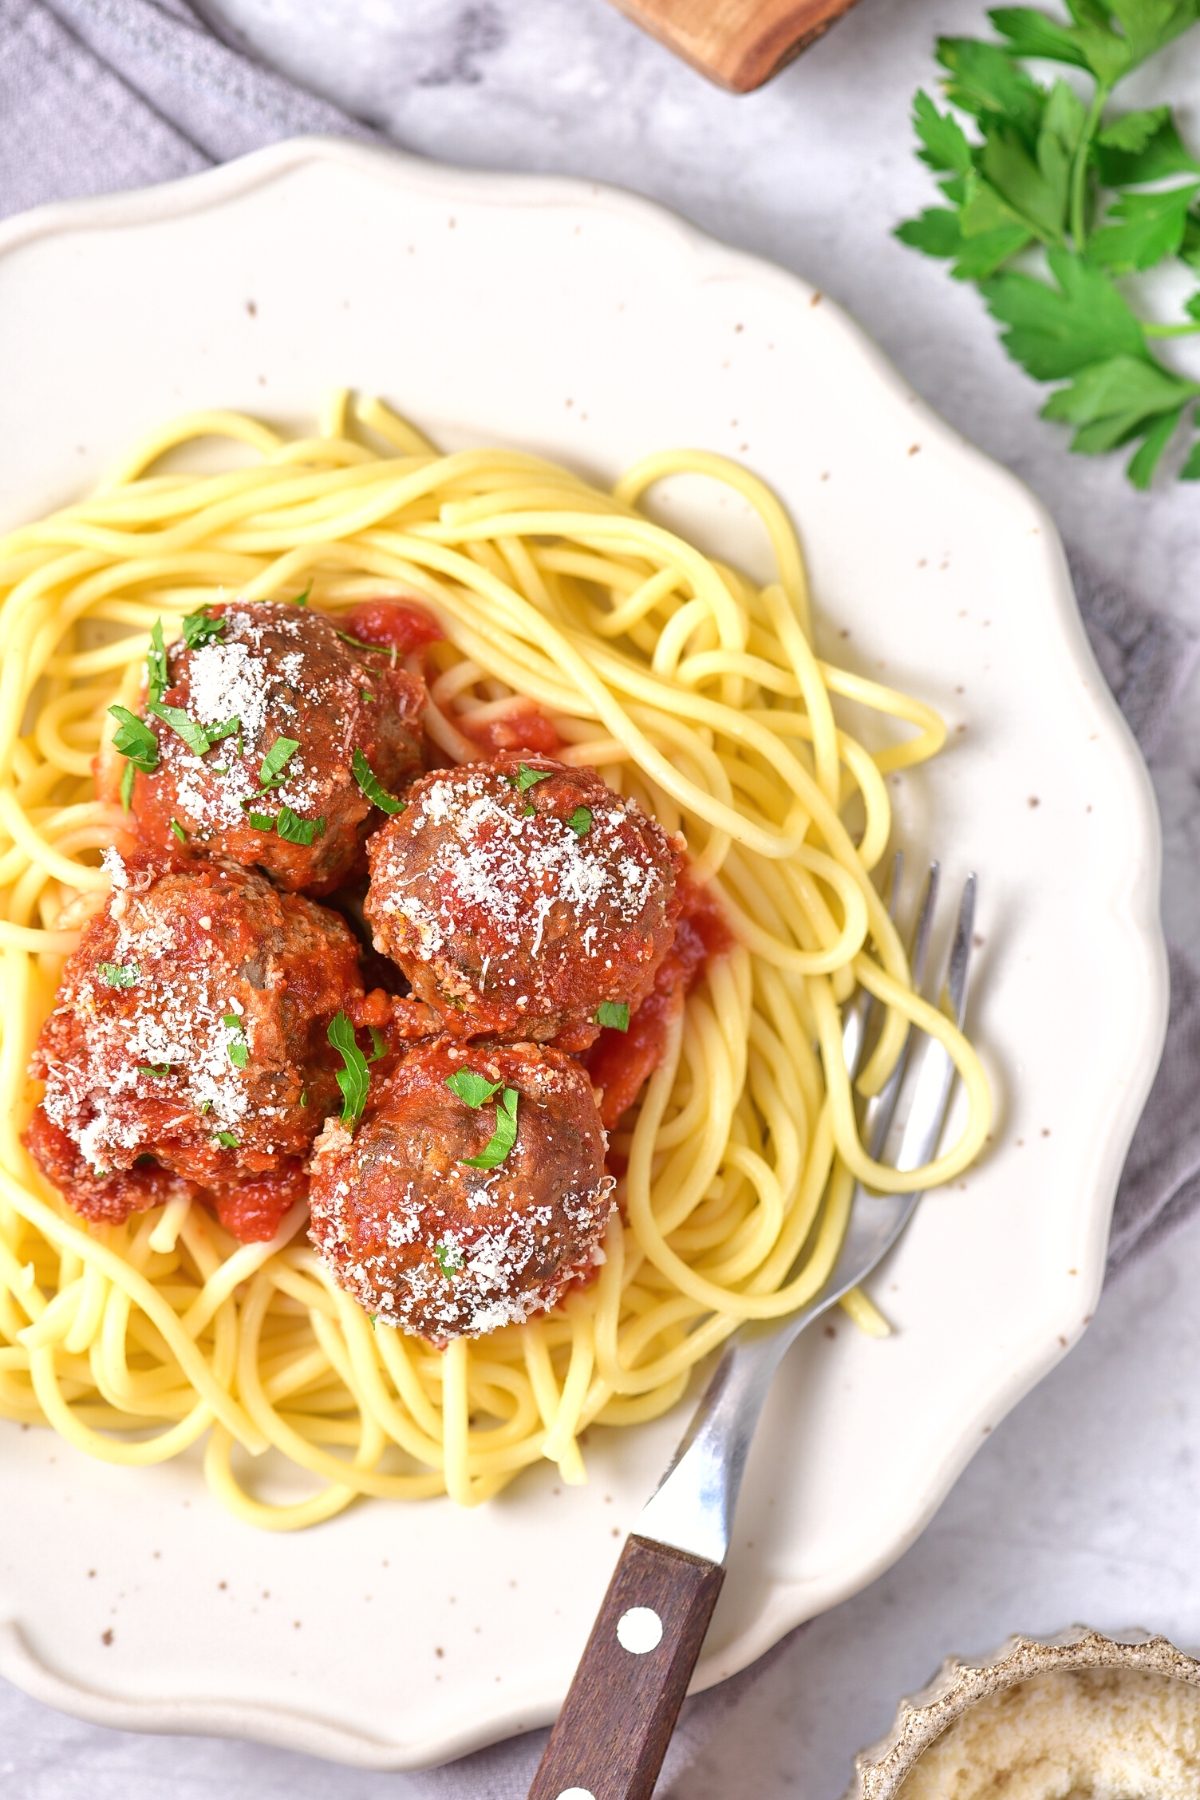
[612, 1733]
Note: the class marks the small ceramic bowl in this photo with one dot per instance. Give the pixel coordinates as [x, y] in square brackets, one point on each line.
[962, 1684]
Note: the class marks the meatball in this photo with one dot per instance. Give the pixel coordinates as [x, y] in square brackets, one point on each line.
[519, 896]
[278, 722]
[427, 1242]
[189, 1040]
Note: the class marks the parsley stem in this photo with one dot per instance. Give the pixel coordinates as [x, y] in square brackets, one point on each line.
[1079, 165]
[1166, 331]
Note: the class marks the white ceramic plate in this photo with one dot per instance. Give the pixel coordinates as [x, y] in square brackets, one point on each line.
[593, 327]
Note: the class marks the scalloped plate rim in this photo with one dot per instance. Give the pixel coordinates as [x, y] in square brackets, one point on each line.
[789, 1603]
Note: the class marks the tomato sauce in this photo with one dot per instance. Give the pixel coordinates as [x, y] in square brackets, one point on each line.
[621, 1062]
[392, 625]
[524, 728]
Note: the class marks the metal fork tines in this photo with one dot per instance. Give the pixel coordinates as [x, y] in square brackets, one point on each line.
[694, 1505]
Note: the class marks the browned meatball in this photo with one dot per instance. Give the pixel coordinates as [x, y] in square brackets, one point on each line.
[271, 676]
[190, 1029]
[521, 895]
[445, 1250]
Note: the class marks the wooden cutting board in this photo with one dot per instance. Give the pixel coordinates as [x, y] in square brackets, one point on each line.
[739, 44]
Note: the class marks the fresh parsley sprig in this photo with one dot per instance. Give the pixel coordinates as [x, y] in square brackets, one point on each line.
[504, 1136]
[118, 975]
[271, 774]
[1077, 193]
[201, 628]
[353, 1077]
[372, 787]
[475, 1090]
[236, 1046]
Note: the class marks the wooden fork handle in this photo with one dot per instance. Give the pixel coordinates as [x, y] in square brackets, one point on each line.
[617, 1719]
[737, 43]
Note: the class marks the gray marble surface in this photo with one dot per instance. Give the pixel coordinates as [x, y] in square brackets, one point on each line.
[1082, 1505]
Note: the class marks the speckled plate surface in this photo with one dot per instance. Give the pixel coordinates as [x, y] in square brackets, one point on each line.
[582, 323]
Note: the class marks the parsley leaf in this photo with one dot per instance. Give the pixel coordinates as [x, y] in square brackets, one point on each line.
[156, 663]
[504, 1136]
[119, 975]
[276, 760]
[449, 1258]
[378, 1044]
[353, 1077]
[1053, 331]
[225, 1140]
[580, 821]
[372, 788]
[946, 146]
[260, 821]
[1147, 228]
[526, 777]
[157, 1071]
[302, 599]
[201, 628]
[193, 735]
[614, 1014]
[1109, 400]
[295, 830]
[135, 740]
[1049, 164]
[179, 831]
[473, 1089]
[235, 1044]
[127, 775]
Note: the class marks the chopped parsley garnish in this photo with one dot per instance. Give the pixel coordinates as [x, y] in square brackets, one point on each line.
[276, 760]
[159, 1071]
[378, 1044]
[205, 1106]
[194, 736]
[449, 1258]
[304, 1096]
[580, 821]
[525, 778]
[179, 831]
[157, 679]
[529, 812]
[239, 1050]
[302, 599]
[295, 830]
[371, 786]
[225, 1140]
[353, 1078]
[504, 1136]
[201, 628]
[215, 733]
[135, 740]
[614, 1014]
[261, 821]
[127, 775]
[359, 645]
[367, 695]
[119, 974]
[472, 1089]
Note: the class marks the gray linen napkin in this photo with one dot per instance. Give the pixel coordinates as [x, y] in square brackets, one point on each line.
[101, 95]
[1146, 658]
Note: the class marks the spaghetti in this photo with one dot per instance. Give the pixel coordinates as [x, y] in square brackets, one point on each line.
[693, 691]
